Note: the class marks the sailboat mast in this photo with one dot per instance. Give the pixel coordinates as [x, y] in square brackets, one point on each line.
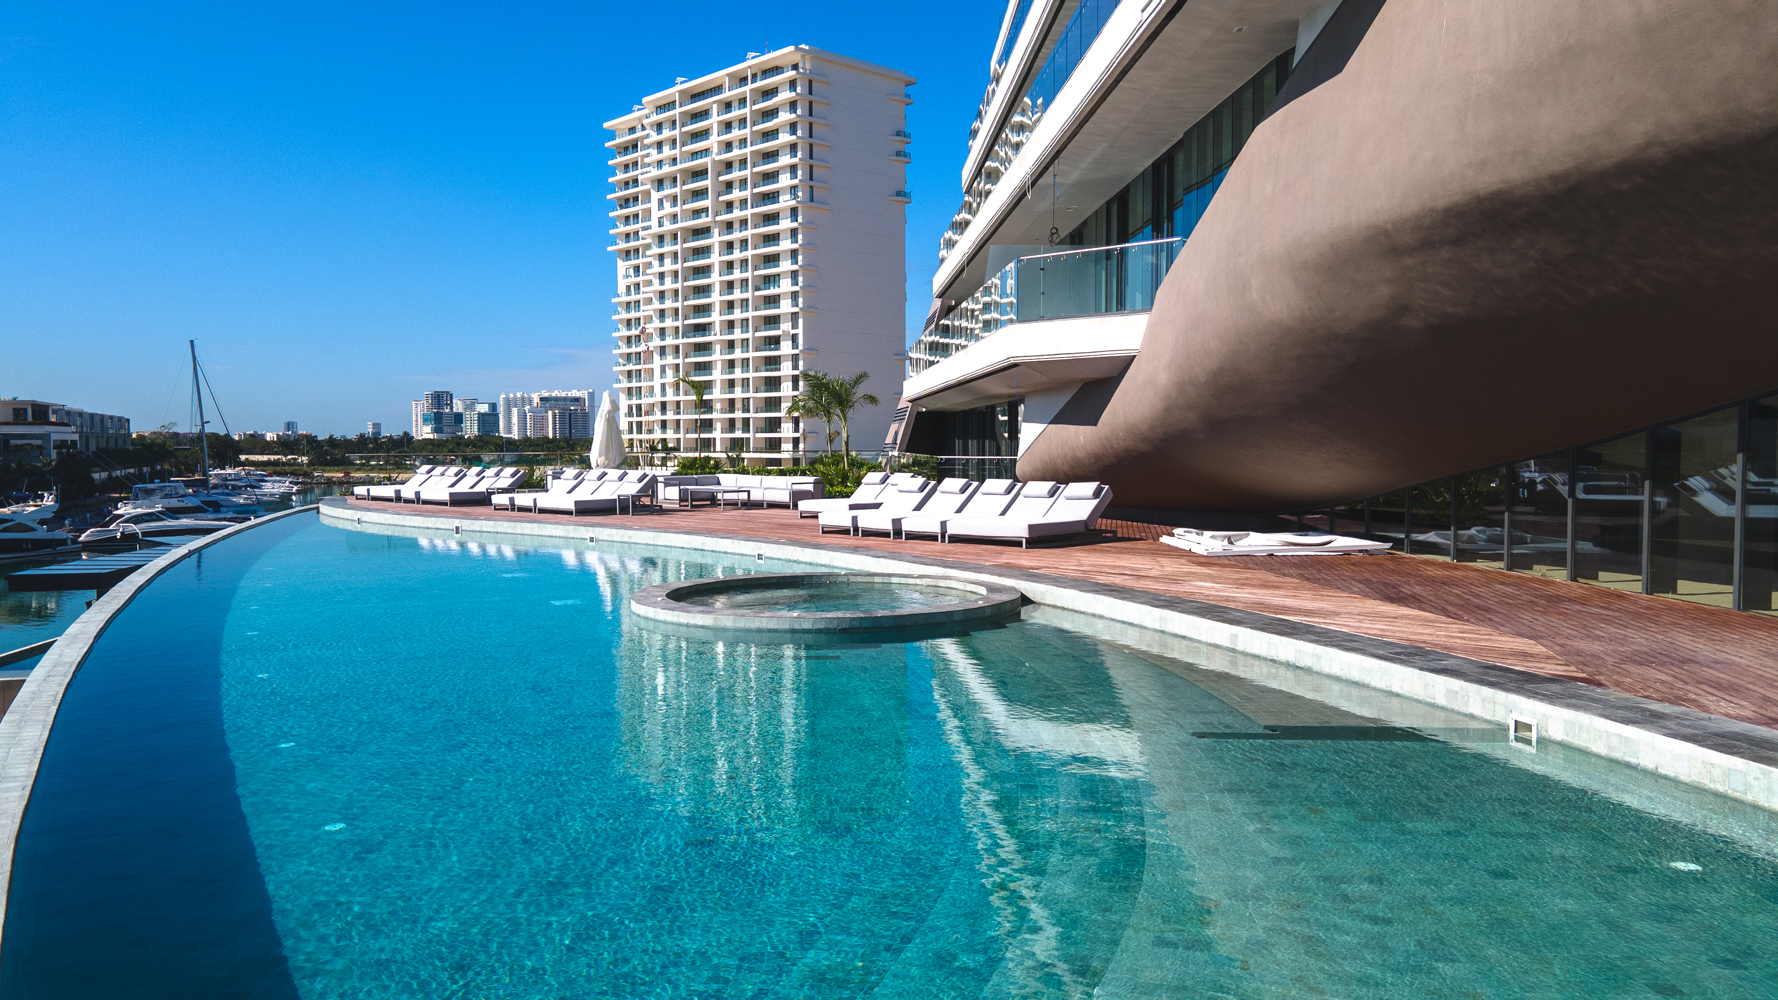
[197, 390]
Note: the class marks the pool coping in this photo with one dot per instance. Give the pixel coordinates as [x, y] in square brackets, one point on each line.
[661, 602]
[24, 730]
[1732, 758]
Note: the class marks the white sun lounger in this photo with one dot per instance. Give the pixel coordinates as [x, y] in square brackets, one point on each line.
[1074, 512]
[450, 477]
[1262, 543]
[440, 493]
[387, 492]
[868, 495]
[527, 499]
[904, 498]
[947, 500]
[609, 495]
[478, 490]
[991, 499]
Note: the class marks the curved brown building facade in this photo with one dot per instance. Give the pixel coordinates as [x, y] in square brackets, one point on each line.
[1468, 233]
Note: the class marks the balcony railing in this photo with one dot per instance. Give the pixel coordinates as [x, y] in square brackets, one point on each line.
[1060, 285]
[1088, 282]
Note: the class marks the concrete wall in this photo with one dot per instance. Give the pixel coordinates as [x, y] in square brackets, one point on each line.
[1497, 229]
[860, 241]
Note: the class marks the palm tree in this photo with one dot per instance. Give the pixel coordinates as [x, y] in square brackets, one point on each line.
[813, 403]
[698, 389]
[841, 392]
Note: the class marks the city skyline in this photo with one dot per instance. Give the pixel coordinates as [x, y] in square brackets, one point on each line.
[179, 174]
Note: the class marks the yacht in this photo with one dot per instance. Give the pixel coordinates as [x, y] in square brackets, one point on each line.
[176, 499]
[155, 527]
[23, 537]
[38, 508]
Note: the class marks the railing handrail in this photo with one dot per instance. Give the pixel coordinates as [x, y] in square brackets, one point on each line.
[25, 652]
[1115, 246]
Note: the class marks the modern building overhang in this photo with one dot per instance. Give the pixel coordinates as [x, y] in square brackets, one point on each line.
[1140, 87]
[1029, 357]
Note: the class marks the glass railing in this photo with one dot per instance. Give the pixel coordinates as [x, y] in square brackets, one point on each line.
[1085, 282]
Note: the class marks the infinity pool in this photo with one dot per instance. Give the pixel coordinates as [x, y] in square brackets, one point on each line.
[318, 762]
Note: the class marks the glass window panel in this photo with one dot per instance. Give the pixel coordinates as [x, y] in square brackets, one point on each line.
[1759, 566]
[1692, 528]
[1539, 494]
[1348, 519]
[1388, 515]
[1429, 530]
[1608, 503]
[1481, 517]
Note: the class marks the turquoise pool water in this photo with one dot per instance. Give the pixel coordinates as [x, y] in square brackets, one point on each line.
[329, 763]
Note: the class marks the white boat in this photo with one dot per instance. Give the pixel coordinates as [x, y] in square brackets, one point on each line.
[155, 527]
[26, 537]
[38, 509]
[176, 499]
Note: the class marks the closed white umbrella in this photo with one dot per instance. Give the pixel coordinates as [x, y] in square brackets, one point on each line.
[608, 437]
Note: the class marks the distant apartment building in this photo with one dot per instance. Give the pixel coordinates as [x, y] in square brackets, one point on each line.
[290, 427]
[435, 417]
[528, 414]
[374, 428]
[479, 419]
[37, 430]
[758, 218]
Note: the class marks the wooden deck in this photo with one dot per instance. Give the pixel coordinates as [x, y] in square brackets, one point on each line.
[1717, 661]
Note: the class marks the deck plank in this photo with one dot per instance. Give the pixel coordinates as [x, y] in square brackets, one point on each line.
[1717, 661]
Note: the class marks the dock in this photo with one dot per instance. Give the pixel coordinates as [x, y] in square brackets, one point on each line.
[99, 573]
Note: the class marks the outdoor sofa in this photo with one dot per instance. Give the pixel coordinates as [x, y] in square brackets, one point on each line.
[787, 491]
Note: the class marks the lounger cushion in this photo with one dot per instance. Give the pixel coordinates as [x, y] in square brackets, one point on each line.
[1081, 491]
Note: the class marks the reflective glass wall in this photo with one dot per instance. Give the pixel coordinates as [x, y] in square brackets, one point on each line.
[1687, 510]
[1170, 196]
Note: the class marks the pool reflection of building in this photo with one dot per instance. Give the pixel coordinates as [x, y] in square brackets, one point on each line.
[766, 737]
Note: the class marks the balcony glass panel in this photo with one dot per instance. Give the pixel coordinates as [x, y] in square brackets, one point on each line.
[1089, 282]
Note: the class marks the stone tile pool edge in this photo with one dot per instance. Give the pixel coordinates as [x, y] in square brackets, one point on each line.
[25, 728]
[1731, 758]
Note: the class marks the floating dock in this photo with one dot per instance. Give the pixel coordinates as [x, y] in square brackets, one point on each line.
[99, 573]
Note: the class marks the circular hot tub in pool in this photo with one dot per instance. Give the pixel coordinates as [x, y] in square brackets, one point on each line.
[825, 602]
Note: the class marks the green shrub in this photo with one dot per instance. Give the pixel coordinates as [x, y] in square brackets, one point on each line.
[920, 465]
[838, 480]
[698, 465]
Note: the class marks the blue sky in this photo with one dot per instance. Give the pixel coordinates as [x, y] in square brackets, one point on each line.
[349, 204]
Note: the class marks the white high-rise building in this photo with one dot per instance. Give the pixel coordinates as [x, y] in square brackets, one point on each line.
[758, 218]
[517, 419]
